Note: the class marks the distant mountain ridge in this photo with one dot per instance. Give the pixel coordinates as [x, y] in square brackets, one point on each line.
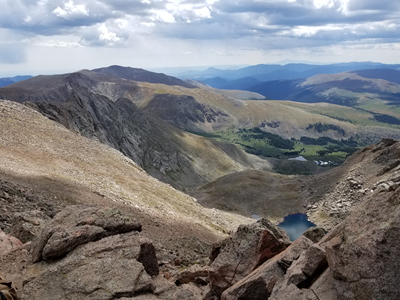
[345, 88]
[11, 80]
[136, 74]
[101, 106]
[267, 72]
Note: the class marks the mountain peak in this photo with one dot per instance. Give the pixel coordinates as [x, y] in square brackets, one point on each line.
[142, 75]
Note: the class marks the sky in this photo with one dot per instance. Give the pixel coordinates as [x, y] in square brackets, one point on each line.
[60, 36]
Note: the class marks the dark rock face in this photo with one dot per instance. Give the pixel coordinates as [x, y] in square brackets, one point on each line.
[247, 249]
[148, 259]
[185, 112]
[123, 126]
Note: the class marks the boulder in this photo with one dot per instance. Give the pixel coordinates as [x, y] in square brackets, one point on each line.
[324, 286]
[247, 249]
[28, 225]
[8, 244]
[86, 256]
[315, 234]
[259, 284]
[77, 225]
[63, 241]
[96, 279]
[293, 252]
[300, 275]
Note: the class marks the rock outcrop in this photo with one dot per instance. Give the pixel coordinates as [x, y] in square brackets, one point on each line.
[260, 283]
[28, 225]
[8, 244]
[78, 225]
[247, 249]
[372, 168]
[358, 259]
[99, 253]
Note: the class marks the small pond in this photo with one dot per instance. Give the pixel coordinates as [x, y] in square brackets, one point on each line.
[295, 225]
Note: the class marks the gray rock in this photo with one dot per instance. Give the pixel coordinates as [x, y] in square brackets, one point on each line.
[324, 286]
[363, 252]
[295, 283]
[28, 225]
[86, 258]
[65, 240]
[315, 234]
[291, 292]
[293, 252]
[258, 285]
[68, 228]
[103, 278]
[8, 244]
[314, 261]
[191, 274]
[248, 248]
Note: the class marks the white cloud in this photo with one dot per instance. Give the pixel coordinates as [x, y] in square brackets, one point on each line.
[163, 16]
[71, 10]
[324, 3]
[108, 36]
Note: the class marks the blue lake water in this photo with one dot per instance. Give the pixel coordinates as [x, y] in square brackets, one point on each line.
[295, 225]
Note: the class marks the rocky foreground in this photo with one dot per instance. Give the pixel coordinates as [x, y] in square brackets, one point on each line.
[101, 250]
[87, 252]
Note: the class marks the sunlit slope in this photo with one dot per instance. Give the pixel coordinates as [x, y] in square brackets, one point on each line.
[286, 118]
[36, 147]
[258, 193]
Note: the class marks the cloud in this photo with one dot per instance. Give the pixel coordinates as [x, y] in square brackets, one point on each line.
[71, 10]
[226, 26]
[113, 33]
[46, 17]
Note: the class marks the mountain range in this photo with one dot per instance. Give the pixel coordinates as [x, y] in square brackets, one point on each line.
[118, 171]
[267, 72]
[99, 107]
[203, 110]
[10, 80]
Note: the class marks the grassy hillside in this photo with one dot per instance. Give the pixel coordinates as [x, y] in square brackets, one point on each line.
[254, 193]
[346, 129]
